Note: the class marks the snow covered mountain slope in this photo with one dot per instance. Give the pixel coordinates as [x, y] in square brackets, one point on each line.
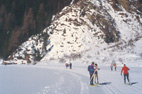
[88, 30]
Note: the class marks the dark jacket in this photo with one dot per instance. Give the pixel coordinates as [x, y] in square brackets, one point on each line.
[91, 69]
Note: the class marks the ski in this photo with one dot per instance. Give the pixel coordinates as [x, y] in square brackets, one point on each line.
[95, 85]
[128, 84]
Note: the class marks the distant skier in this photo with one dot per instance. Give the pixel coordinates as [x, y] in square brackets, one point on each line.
[115, 66]
[66, 64]
[91, 72]
[125, 72]
[96, 73]
[111, 67]
[112, 64]
[70, 65]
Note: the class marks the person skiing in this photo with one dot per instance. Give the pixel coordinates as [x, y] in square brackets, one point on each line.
[115, 66]
[70, 65]
[96, 73]
[125, 72]
[111, 67]
[66, 64]
[91, 72]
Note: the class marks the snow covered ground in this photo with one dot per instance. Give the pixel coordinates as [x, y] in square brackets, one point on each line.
[54, 78]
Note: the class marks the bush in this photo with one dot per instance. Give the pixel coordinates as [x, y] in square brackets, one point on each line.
[62, 60]
[73, 56]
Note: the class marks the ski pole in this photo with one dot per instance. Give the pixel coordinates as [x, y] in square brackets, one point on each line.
[129, 79]
[122, 75]
[92, 77]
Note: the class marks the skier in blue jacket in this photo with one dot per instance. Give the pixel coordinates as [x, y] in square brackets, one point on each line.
[91, 72]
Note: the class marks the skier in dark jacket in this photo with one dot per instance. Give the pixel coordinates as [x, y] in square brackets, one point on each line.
[70, 65]
[125, 72]
[91, 72]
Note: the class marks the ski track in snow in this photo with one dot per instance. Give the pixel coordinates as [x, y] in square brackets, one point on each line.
[118, 83]
[55, 79]
[109, 89]
[64, 85]
[83, 84]
[73, 80]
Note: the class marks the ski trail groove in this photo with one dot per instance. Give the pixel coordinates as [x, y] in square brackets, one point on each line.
[84, 86]
[111, 88]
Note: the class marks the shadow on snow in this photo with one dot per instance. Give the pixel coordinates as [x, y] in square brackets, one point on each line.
[105, 83]
[132, 83]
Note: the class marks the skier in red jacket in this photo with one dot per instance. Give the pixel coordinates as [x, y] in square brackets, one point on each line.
[125, 72]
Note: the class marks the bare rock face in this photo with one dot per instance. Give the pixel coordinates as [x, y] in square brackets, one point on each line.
[128, 5]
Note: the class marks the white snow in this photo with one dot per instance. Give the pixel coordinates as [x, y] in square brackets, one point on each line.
[75, 38]
[54, 78]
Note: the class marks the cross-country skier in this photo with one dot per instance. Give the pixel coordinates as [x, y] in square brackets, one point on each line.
[91, 72]
[111, 67]
[66, 64]
[125, 72]
[70, 65]
[96, 73]
[115, 66]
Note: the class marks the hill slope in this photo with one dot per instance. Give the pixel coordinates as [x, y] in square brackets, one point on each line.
[89, 30]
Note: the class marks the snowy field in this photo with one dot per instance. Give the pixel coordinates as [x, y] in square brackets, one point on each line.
[56, 79]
